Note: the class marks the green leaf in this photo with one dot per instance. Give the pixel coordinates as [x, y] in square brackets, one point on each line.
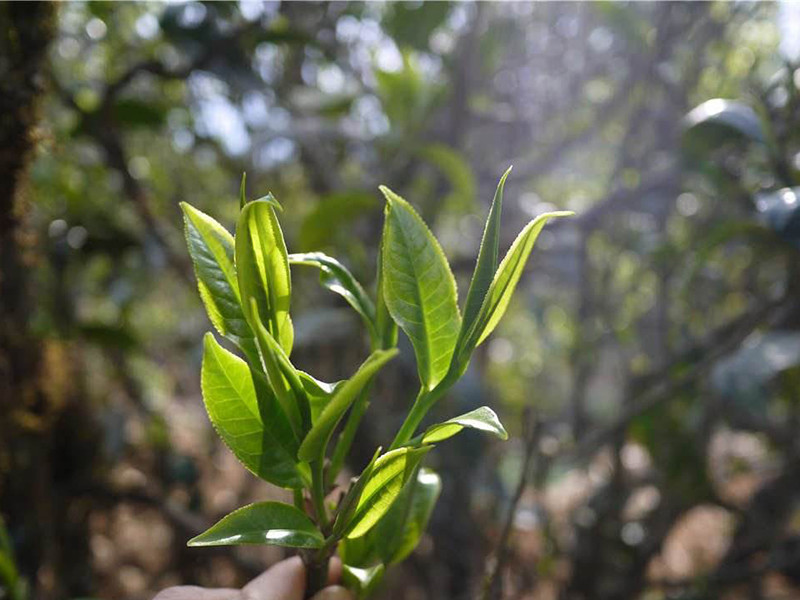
[243, 191]
[389, 475]
[314, 444]
[399, 531]
[419, 288]
[722, 118]
[262, 267]
[349, 503]
[486, 263]
[211, 247]
[319, 393]
[264, 523]
[362, 582]
[482, 419]
[231, 403]
[384, 324]
[336, 277]
[502, 288]
[283, 378]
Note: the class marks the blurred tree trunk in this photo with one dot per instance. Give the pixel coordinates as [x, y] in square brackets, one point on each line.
[46, 442]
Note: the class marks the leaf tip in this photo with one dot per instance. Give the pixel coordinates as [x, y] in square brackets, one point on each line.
[186, 208]
[271, 200]
[388, 194]
[242, 193]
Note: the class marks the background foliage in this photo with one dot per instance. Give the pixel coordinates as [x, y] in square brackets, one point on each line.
[647, 370]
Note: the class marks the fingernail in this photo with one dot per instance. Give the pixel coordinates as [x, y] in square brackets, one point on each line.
[335, 592]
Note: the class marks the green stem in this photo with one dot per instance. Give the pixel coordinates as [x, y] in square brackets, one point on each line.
[318, 493]
[425, 400]
[298, 499]
[345, 440]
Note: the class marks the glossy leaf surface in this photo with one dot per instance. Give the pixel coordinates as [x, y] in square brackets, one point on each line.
[362, 582]
[780, 211]
[419, 289]
[481, 419]
[338, 279]
[270, 523]
[719, 117]
[389, 474]
[262, 268]
[317, 439]
[319, 393]
[211, 247]
[230, 399]
[399, 532]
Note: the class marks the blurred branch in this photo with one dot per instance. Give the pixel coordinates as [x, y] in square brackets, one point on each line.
[683, 372]
[186, 524]
[493, 582]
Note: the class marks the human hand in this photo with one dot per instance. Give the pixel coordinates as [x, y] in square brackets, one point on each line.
[283, 581]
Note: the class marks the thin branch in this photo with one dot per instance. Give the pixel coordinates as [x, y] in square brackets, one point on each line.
[695, 363]
[493, 583]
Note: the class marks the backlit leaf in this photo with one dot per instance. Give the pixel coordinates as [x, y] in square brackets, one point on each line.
[232, 406]
[419, 288]
[262, 268]
[389, 475]
[502, 288]
[211, 247]
[399, 532]
[486, 263]
[317, 439]
[482, 419]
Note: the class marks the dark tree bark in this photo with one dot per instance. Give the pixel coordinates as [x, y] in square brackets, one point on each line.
[46, 440]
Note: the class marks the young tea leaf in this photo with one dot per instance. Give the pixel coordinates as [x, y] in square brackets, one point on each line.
[211, 247]
[349, 503]
[482, 419]
[231, 403]
[319, 393]
[399, 531]
[317, 439]
[501, 289]
[486, 263]
[262, 268]
[335, 276]
[419, 288]
[362, 582]
[389, 474]
[282, 376]
[270, 523]
[384, 324]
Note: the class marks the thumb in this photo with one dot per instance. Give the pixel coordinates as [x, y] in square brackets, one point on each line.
[334, 592]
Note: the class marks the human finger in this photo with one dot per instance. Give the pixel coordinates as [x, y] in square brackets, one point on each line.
[285, 580]
[192, 592]
[335, 592]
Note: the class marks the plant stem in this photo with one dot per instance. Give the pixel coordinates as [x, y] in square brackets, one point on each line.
[298, 499]
[425, 400]
[316, 576]
[318, 493]
[345, 440]
[316, 563]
